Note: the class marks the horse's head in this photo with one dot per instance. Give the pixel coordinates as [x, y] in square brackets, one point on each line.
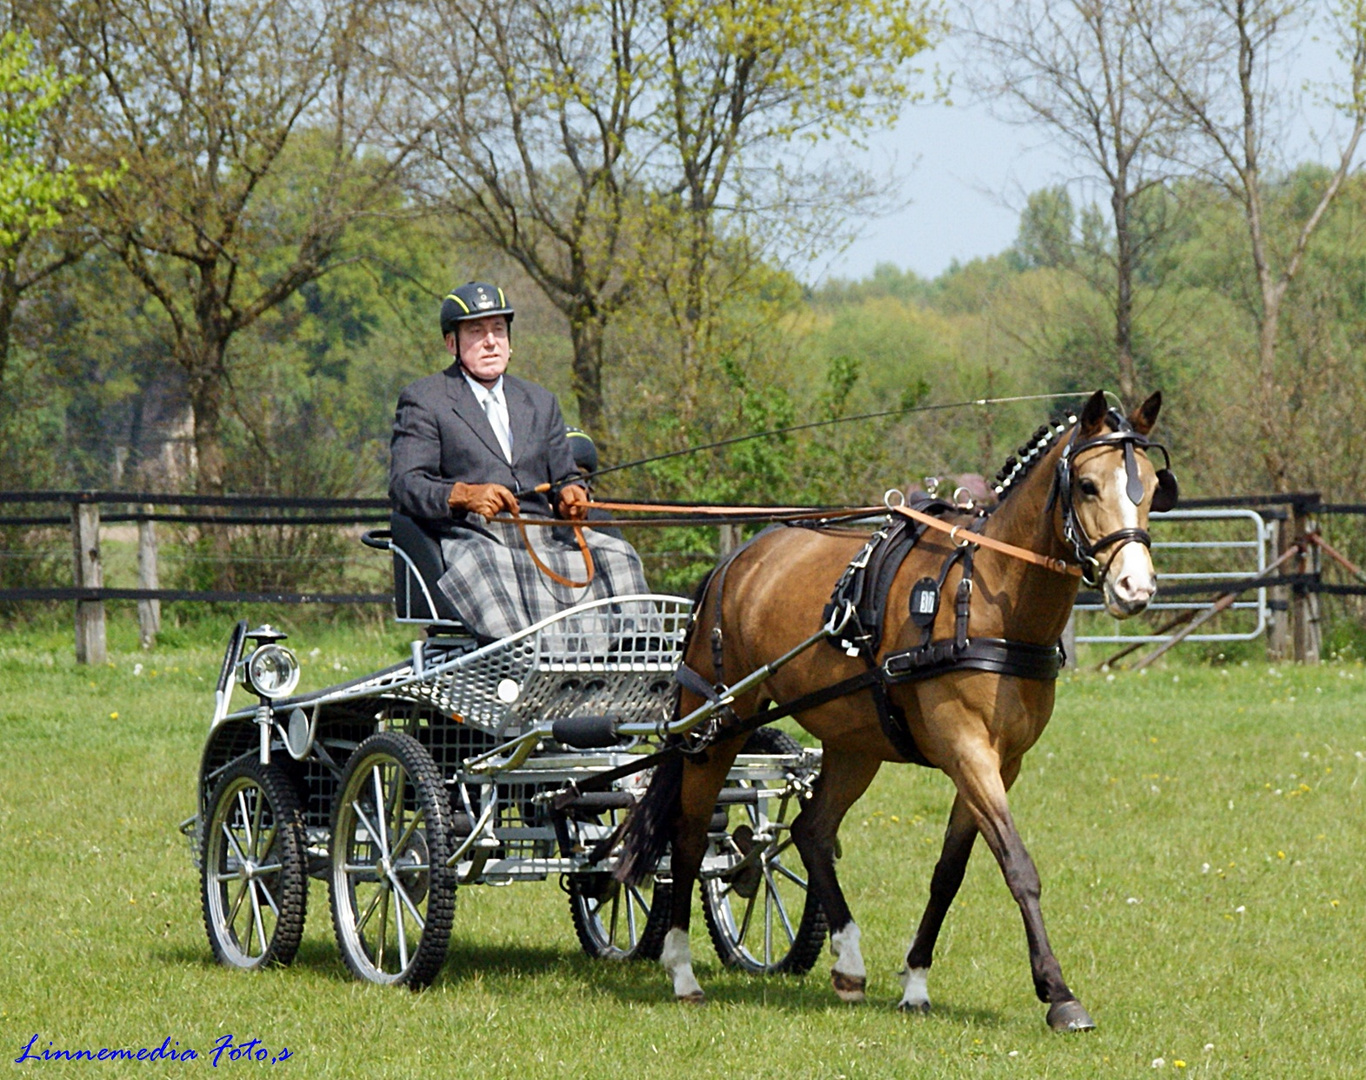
[1107, 486]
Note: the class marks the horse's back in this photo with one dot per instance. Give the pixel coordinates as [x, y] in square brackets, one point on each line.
[791, 572]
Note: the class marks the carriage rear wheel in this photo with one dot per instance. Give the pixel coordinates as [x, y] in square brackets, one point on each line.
[616, 921]
[393, 896]
[613, 920]
[254, 876]
[754, 895]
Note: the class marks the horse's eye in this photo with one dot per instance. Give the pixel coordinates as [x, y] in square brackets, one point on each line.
[1089, 488]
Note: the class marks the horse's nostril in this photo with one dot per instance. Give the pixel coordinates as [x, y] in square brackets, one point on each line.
[1130, 588]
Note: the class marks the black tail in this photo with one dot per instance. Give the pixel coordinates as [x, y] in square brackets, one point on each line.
[651, 824]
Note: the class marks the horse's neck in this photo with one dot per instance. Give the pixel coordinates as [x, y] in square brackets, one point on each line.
[1041, 598]
[1025, 518]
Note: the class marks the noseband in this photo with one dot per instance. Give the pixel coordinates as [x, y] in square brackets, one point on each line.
[1085, 549]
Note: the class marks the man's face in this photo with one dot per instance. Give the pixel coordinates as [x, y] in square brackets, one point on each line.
[481, 345]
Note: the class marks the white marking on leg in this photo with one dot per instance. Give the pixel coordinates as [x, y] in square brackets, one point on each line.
[848, 958]
[916, 995]
[676, 957]
[848, 976]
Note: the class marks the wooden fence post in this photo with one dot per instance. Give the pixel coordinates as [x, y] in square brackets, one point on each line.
[729, 539]
[149, 611]
[89, 574]
[1304, 604]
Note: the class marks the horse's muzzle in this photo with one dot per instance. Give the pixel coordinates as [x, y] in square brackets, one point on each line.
[1131, 583]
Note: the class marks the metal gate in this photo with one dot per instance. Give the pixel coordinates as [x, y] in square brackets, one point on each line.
[1203, 551]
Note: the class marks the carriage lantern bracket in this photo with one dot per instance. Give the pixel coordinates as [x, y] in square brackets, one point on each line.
[269, 671]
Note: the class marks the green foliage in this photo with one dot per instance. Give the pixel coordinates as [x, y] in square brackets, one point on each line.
[1046, 229]
[33, 189]
[828, 69]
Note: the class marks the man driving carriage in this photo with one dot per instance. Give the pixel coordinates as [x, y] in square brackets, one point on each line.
[470, 442]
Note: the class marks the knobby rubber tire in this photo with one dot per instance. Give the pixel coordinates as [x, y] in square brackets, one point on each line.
[764, 946]
[613, 920]
[253, 867]
[392, 805]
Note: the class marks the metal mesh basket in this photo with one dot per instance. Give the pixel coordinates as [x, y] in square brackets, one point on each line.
[614, 656]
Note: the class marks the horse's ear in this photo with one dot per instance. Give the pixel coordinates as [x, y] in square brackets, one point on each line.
[1144, 418]
[1093, 415]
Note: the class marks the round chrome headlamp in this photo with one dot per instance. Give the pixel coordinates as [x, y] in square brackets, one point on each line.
[271, 671]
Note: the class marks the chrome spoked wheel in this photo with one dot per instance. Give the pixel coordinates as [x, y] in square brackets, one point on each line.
[615, 921]
[254, 880]
[754, 893]
[393, 897]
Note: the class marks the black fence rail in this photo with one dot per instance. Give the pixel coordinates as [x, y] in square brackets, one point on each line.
[1300, 582]
[87, 512]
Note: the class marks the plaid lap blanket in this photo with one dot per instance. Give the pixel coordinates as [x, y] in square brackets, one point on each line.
[498, 590]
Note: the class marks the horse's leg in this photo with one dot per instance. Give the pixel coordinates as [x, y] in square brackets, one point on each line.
[843, 778]
[982, 786]
[702, 782]
[959, 837]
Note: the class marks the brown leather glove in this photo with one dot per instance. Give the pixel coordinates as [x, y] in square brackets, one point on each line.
[574, 503]
[484, 499]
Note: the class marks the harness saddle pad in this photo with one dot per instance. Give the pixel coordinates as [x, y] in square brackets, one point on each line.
[868, 579]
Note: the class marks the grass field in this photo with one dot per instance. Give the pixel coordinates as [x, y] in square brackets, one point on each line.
[1198, 830]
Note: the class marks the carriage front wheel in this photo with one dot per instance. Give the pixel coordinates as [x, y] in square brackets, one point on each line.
[754, 895]
[393, 896]
[254, 874]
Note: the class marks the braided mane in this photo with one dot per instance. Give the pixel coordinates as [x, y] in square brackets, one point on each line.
[1030, 454]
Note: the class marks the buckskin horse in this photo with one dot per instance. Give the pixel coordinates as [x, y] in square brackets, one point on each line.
[966, 686]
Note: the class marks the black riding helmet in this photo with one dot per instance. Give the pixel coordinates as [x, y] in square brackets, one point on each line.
[473, 300]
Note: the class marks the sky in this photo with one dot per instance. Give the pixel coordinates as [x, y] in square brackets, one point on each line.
[965, 174]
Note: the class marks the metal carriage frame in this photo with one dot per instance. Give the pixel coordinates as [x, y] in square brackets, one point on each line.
[460, 766]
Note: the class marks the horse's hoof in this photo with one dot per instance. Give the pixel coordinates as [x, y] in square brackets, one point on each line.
[1069, 1016]
[921, 1007]
[850, 988]
[695, 998]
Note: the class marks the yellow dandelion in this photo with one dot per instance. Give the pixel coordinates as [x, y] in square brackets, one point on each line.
[113, 716]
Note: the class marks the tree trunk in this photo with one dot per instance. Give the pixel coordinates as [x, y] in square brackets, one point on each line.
[695, 312]
[1124, 294]
[1271, 403]
[586, 332]
[207, 379]
[9, 304]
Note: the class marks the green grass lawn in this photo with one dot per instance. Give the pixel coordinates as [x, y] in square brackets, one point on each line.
[1198, 831]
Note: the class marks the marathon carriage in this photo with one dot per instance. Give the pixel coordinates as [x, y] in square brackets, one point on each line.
[478, 763]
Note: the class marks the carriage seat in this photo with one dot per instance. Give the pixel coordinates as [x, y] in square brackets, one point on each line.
[418, 566]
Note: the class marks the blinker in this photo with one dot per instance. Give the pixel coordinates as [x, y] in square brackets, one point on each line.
[1168, 491]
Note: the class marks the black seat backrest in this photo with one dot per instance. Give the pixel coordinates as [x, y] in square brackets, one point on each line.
[422, 544]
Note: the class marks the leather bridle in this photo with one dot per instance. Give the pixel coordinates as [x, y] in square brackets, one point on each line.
[1127, 439]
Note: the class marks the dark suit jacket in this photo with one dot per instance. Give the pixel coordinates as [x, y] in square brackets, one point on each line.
[441, 436]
